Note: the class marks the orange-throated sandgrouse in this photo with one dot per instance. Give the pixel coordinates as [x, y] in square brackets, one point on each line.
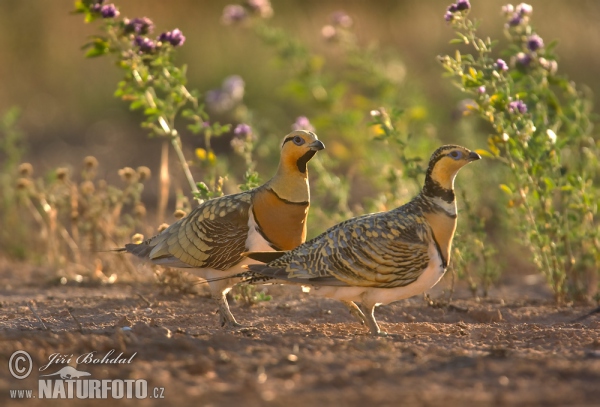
[211, 238]
[378, 258]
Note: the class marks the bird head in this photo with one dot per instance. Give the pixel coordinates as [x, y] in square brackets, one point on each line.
[298, 148]
[445, 163]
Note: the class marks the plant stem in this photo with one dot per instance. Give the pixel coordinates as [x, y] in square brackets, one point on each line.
[163, 182]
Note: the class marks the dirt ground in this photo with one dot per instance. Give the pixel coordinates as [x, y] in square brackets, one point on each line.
[517, 348]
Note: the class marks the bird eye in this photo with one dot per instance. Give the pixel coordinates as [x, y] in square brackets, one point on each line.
[456, 154]
[298, 140]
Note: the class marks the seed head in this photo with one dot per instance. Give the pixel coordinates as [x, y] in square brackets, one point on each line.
[139, 210]
[138, 238]
[62, 173]
[162, 227]
[143, 173]
[90, 162]
[87, 188]
[127, 174]
[178, 214]
[23, 184]
[25, 170]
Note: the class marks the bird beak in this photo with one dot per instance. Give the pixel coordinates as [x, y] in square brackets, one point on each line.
[316, 145]
[473, 156]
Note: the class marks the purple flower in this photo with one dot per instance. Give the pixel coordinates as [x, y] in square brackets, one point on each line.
[463, 5]
[175, 37]
[341, 19]
[146, 45]
[228, 96]
[501, 65]
[535, 42]
[524, 9]
[261, 7]
[449, 16]
[242, 130]
[481, 90]
[234, 86]
[515, 20]
[517, 106]
[96, 6]
[109, 11]
[508, 9]
[139, 26]
[460, 5]
[233, 13]
[523, 59]
[302, 123]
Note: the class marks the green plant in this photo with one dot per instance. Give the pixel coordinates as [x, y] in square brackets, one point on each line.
[541, 130]
[250, 295]
[13, 236]
[151, 82]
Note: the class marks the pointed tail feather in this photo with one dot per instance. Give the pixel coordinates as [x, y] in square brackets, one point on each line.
[141, 250]
[263, 257]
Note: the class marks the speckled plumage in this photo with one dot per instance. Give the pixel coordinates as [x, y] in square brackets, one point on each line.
[210, 240]
[382, 257]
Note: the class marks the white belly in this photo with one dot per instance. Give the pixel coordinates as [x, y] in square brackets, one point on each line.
[381, 296]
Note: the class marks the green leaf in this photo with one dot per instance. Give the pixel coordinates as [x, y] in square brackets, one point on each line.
[137, 104]
[96, 52]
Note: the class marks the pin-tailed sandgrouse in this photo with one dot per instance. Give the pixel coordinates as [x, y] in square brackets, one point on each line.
[211, 238]
[378, 258]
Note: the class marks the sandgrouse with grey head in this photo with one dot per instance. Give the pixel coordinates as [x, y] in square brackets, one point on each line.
[209, 241]
[378, 258]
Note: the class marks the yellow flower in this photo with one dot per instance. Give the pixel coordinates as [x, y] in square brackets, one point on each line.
[204, 155]
[201, 154]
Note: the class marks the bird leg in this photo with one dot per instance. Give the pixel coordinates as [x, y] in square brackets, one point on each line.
[226, 317]
[355, 311]
[368, 312]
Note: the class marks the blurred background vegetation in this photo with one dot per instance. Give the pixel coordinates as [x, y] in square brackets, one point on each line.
[68, 110]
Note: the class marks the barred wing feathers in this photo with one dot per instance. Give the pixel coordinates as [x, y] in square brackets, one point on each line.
[388, 249]
[212, 236]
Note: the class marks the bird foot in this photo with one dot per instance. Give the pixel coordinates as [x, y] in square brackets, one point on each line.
[233, 324]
